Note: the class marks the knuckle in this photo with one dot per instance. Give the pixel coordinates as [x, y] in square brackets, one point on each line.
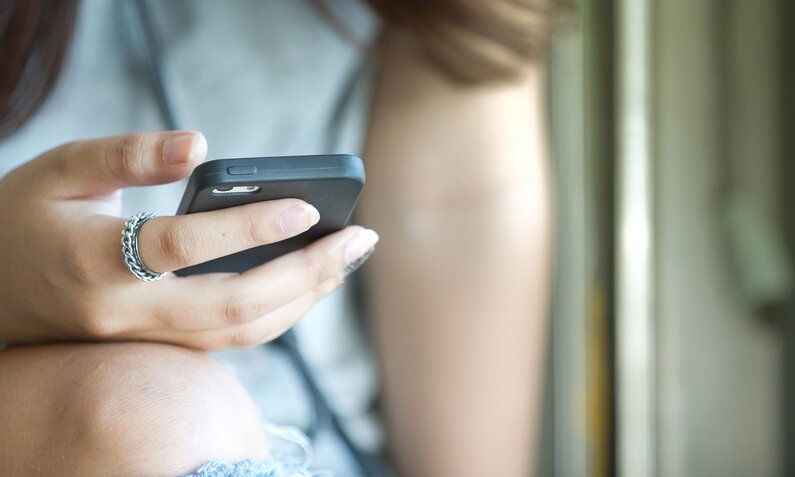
[80, 266]
[204, 345]
[165, 318]
[240, 308]
[97, 324]
[178, 243]
[255, 231]
[62, 156]
[319, 268]
[80, 271]
[126, 155]
[243, 339]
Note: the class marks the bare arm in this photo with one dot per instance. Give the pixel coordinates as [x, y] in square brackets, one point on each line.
[458, 189]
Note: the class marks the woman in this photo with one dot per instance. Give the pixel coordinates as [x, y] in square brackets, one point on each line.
[457, 189]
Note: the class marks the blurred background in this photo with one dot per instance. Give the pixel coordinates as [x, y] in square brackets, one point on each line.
[673, 320]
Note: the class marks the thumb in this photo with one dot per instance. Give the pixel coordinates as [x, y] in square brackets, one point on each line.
[102, 166]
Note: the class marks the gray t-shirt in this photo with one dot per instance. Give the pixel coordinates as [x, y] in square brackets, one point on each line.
[259, 78]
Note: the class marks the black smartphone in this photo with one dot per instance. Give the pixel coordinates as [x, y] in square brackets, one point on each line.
[331, 183]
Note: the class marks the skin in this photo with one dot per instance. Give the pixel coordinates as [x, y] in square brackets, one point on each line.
[135, 408]
[61, 241]
[116, 409]
[458, 188]
[457, 185]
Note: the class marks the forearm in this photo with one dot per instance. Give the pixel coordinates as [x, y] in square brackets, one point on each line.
[458, 290]
[459, 323]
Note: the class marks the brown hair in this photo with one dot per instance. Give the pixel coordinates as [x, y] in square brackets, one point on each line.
[471, 41]
[34, 39]
[475, 41]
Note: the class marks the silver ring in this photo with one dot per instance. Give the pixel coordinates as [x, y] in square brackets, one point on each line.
[129, 248]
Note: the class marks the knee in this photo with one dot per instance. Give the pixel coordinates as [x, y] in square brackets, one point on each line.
[148, 409]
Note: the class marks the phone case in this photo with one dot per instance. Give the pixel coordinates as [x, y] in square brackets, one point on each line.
[331, 183]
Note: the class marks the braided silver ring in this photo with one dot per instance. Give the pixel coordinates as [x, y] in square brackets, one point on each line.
[129, 248]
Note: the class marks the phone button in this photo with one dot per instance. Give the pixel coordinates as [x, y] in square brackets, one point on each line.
[242, 170]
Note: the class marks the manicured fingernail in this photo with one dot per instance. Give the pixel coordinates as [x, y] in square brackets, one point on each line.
[358, 250]
[184, 147]
[298, 218]
[354, 265]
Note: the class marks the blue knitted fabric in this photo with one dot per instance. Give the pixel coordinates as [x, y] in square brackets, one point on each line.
[252, 468]
[292, 458]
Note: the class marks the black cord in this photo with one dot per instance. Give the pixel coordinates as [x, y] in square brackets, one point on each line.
[152, 57]
[320, 412]
[318, 415]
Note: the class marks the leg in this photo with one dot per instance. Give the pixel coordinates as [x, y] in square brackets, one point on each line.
[120, 409]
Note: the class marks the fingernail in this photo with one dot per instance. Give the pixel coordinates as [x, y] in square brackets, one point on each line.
[298, 218]
[354, 265]
[184, 147]
[358, 250]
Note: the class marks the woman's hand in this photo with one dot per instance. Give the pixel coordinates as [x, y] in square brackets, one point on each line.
[61, 271]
